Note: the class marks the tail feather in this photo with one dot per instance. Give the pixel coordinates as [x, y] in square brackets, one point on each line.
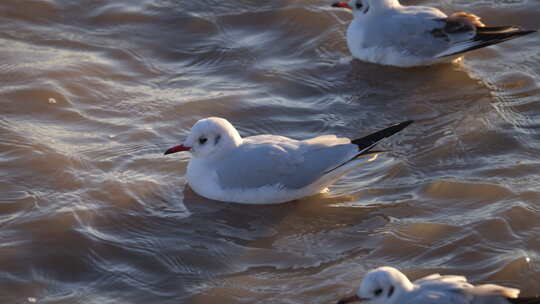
[486, 36]
[365, 144]
[531, 300]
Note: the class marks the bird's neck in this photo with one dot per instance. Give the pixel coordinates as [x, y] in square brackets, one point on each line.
[233, 138]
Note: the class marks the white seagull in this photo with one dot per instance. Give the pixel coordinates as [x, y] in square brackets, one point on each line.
[266, 169]
[387, 285]
[388, 33]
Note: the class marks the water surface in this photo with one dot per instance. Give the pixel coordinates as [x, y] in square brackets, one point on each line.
[93, 92]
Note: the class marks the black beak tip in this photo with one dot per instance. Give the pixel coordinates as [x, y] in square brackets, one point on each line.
[167, 152]
[336, 5]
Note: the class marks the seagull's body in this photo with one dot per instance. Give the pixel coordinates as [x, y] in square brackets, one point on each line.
[266, 169]
[388, 33]
[272, 169]
[387, 285]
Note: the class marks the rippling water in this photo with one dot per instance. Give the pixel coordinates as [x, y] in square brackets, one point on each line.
[93, 92]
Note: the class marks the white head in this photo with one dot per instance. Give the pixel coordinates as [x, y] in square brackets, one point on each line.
[363, 7]
[380, 286]
[209, 138]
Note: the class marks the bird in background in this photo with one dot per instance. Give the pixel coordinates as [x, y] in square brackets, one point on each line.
[387, 285]
[266, 169]
[386, 32]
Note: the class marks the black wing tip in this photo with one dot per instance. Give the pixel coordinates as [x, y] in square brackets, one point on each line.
[522, 32]
[523, 300]
[397, 128]
[404, 124]
[490, 38]
[508, 29]
[487, 38]
[369, 141]
[527, 32]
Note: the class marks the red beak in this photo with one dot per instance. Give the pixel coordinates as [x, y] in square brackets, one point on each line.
[342, 4]
[178, 148]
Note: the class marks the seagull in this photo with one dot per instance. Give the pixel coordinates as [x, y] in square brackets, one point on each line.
[267, 169]
[388, 33]
[387, 285]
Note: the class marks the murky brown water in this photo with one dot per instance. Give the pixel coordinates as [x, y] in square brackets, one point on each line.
[92, 92]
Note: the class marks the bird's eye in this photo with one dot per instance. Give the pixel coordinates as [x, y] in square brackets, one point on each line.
[377, 292]
[390, 291]
[358, 5]
[202, 140]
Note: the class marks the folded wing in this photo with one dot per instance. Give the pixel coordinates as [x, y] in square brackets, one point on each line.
[290, 164]
[465, 32]
[268, 160]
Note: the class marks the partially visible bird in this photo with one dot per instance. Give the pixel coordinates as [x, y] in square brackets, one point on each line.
[388, 33]
[387, 285]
